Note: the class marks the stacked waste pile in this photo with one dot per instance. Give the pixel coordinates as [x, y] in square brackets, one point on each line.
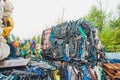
[70, 51]
[28, 48]
[75, 50]
[25, 69]
[24, 62]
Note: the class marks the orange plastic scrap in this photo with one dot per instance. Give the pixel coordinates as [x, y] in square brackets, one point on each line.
[63, 64]
[16, 44]
[109, 66]
[117, 74]
[7, 28]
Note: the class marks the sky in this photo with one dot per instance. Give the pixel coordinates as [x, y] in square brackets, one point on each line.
[31, 17]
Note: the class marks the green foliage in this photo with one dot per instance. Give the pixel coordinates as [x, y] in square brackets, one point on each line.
[38, 39]
[13, 37]
[18, 39]
[34, 38]
[116, 36]
[118, 8]
[111, 39]
[105, 37]
[109, 33]
[97, 17]
[115, 23]
[8, 39]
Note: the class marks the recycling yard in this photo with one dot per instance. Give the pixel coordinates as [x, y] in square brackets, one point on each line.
[69, 50]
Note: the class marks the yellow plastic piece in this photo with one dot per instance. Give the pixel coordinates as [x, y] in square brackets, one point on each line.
[56, 77]
[7, 28]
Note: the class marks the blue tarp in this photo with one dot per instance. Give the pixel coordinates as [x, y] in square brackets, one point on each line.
[113, 57]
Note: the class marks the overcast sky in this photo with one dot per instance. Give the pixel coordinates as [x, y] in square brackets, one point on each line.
[32, 16]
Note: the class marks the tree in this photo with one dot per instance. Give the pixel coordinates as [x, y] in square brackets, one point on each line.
[13, 37]
[18, 39]
[38, 39]
[115, 23]
[97, 17]
[34, 38]
[105, 38]
[118, 8]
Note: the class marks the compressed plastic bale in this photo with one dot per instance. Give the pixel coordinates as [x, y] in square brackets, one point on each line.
[44, 47]
[98, 70]
[47, 45]
[46, 42]
[82, 32]
[55, 76]
[76, 73]
[47, 31]
[51, 37]
[99, 45]
[96, 34]
[69, 31]
[86, 73]
[56, 31]
[46, 37]
[71, 74]
[92, 74]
